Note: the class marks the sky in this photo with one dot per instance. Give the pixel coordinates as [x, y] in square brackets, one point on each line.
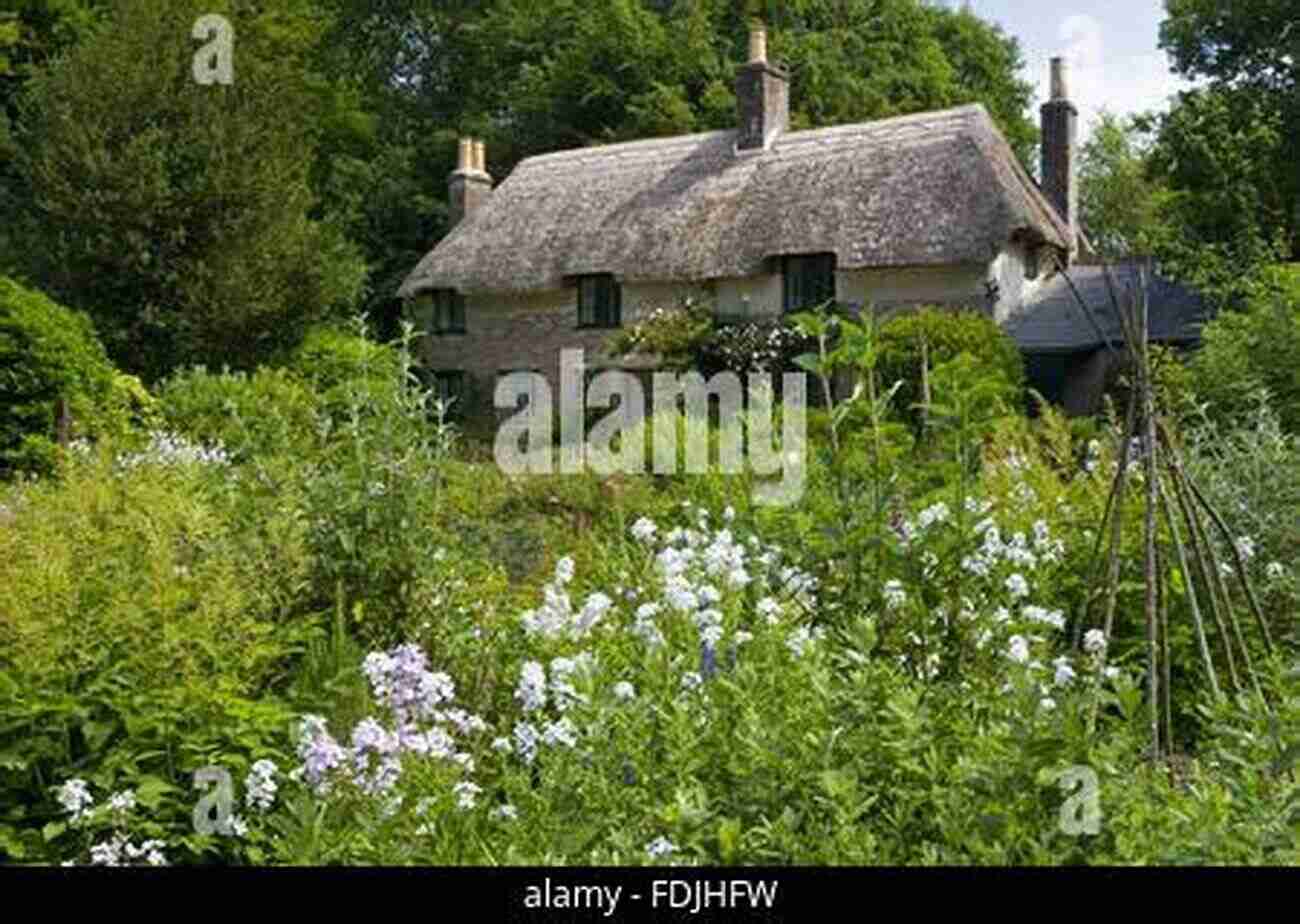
[1111, 45]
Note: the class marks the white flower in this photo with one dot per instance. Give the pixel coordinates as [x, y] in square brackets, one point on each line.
[1246, 546]
[1274, 570]
[532, 686]
[1047, 703]
[564, 570]
[1017, 586]
[643, 530]
[1094, 640]
[1064, 672]
[75, 798]
[561, 732]
[894, 594]
[465, 792]
[502, 745]
[937, 513]
[1019, 649]
[692, 681]
[624, 690]
[769, 609]
[122, 801]
[660, 847]
[507, 812]
[729, 514]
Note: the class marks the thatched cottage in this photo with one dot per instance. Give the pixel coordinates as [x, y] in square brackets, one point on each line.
[932, 208]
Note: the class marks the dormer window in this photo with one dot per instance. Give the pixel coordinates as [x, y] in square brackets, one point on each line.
[1031, 262]
[448, 312]
[600, 301]
[807, 281]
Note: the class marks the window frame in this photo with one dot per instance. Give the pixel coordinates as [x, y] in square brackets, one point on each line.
[447, 312]
[800, 268]
[607, 292]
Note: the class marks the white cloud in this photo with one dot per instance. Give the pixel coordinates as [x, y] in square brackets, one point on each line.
[1099, 79]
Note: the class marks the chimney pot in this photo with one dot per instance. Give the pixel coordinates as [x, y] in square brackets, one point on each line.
[1060, 75]
[762, 97]
[469, 187]
[1060, 131]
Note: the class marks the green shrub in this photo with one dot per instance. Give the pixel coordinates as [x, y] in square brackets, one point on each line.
[333, 361]
[143, 634]
[945, 335]
[48, 352]
[1244, 351]
[263, 413]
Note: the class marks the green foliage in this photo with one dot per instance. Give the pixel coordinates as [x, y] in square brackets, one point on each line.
[49, 352]
[1246, 351]
[264, 414]
[1119, 204]
[673, 333]
[142, 635]
[945, 335]
[197, 244]
[334, 360]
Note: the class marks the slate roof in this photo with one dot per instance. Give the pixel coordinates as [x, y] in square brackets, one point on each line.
[1051, 321]
[926, 189]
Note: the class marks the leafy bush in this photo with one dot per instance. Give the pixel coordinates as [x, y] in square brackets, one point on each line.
[945, 335]
[143, 633]
[1246, 351]
[254, 415]
[49, 352]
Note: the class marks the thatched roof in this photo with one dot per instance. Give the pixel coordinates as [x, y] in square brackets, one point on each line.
[1051, 321]
[934, 188]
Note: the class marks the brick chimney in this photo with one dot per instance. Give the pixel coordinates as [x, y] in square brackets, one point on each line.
[470, 185]
[762, 97]
[1060, 122]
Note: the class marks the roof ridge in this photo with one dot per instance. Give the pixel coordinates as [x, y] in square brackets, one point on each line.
[848, 128]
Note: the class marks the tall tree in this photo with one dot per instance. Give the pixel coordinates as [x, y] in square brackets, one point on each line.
[1119, 203]
[178, 214]
[1250, 54]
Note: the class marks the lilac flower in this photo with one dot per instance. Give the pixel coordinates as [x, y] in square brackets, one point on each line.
[319, 752]
[531, 691]
[708, 661]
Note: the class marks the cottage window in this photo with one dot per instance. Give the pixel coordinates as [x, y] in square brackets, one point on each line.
[1032, 268]
[600, 301]
[807, 281]
[448, 312]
